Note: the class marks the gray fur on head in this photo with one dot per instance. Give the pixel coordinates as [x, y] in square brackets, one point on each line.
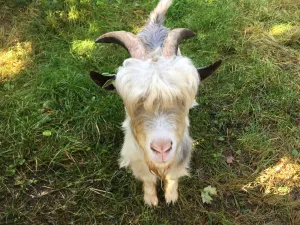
[153, 35]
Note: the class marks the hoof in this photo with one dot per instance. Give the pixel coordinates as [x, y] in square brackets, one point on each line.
[151, 200]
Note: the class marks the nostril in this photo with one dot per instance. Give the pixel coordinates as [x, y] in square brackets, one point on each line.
[169, 149]
[154, 150]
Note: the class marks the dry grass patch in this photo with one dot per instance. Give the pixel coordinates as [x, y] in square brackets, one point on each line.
[279, 44]
[279, 179]
[15, 59]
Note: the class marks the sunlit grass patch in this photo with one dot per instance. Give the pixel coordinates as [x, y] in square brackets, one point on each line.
[15, 59]
[73, 13]
[280, 29]
[287, 34]
[281, 49]
[84, 47]
[93, 27]
[279, 179]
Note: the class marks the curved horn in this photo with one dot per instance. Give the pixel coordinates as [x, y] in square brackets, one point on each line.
[127, 40]
[173, 40]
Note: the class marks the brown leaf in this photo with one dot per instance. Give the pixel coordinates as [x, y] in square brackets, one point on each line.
[297, 121]
[229, 159]
[140, 12]
[47, 111]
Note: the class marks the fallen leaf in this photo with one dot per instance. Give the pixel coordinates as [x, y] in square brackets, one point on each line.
[207, 193]
[229, 159]
[298, 121]
[211, 190]
[227, 193]
[221, 139]
[206, 198]
[47, 111]
[140, 12]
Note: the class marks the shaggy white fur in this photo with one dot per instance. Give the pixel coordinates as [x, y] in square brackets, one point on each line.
[161, 94]
[166, 80]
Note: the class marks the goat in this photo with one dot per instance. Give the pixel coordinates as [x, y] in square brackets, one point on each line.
[158, 87]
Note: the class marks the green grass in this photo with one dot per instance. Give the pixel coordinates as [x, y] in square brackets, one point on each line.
[250, 109]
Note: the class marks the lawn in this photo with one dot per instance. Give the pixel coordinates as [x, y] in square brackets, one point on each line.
[60, 134]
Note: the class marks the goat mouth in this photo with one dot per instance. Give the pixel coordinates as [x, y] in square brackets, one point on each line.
[160, 170]
[161, 165]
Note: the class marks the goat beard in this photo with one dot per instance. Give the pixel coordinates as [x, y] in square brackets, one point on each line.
[159, 172]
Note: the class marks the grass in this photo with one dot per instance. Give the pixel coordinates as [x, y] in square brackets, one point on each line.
[249, 110]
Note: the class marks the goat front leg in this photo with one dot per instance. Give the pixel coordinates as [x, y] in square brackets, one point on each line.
[141, 171]
[150, 195]
[171, 190]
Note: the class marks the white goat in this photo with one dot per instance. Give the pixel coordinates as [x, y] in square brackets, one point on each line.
[158, 87]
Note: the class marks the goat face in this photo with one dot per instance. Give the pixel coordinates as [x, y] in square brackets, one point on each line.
[157, 97]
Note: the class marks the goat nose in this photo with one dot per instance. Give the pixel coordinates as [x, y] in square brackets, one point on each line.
[161, 146]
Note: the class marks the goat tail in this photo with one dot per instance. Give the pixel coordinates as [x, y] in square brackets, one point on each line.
[157, 16]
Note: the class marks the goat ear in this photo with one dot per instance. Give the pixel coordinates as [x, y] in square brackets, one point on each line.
[106, 82]
[205, 72]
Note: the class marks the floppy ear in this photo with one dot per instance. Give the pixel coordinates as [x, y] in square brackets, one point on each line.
[106, 82]
[205, 72]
